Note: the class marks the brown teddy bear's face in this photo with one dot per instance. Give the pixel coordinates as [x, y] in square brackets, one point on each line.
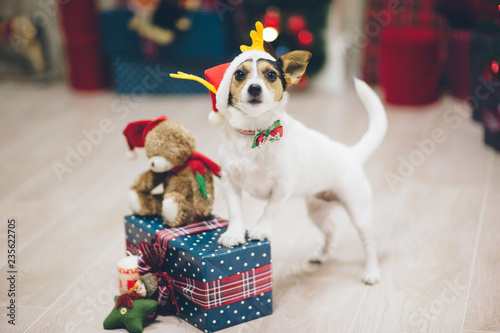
[168, 145]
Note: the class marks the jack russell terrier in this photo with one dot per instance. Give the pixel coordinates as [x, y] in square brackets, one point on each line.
[274, 157]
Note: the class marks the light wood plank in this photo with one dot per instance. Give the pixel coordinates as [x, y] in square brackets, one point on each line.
[483, 308]
[425, 264]
[429, 252]
[71, 233]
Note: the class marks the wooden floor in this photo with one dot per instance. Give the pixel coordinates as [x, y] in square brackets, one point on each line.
[437, 208]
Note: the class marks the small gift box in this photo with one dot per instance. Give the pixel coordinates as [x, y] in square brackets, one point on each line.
[208, 285]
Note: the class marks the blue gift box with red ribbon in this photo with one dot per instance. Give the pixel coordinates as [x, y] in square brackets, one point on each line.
[208, 285]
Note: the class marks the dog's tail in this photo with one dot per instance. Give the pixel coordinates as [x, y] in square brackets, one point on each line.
[377, 121]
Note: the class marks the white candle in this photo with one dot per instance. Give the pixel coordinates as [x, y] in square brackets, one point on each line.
[128, 272]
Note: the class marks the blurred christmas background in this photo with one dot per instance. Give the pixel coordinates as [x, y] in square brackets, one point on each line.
[416, 51]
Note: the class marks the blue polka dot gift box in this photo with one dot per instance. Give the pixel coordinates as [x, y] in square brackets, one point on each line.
[210, 286]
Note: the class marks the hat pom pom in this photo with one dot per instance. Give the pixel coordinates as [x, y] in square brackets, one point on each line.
[131, 154]
[215, 119]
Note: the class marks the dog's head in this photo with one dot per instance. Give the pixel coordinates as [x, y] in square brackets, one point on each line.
[253, 84]
[256, 82]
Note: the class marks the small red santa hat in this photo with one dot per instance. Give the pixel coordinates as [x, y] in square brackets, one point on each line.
[214, 76]
[136, 132]
[218, 78]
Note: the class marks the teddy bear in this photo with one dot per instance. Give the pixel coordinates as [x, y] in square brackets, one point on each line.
[186, 175]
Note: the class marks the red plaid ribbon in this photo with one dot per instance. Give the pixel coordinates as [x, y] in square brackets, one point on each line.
[164, 236]
[150, 261]
[166, 290]
[231, 289]
[151, 257]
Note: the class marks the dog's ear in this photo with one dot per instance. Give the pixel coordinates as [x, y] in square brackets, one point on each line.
[294, 65]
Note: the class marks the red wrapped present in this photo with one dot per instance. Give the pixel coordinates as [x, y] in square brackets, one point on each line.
[380, 14]
[410, 66]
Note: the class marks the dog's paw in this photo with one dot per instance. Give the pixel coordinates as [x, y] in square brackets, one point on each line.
[170, 209]
[319, 258]
[134, 202]
[260, 232]
[321, 255]
[232, 238]
[371, 277]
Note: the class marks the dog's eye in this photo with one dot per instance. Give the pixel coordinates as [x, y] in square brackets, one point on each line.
[271, 76]
[239, 75]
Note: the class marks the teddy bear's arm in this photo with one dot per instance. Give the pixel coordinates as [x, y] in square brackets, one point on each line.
[181, 183]
[141, 200]
[185, 188]
[178, 199]
[147, 181]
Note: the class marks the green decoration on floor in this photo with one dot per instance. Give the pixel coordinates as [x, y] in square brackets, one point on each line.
[129, 313]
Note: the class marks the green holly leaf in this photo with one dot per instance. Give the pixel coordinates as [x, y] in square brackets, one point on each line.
[201, 185]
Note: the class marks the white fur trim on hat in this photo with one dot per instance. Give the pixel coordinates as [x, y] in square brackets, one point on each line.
[223, 90]
[131, 154]
[215, 119]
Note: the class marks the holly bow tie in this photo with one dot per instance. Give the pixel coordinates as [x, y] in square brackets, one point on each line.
[273, 133]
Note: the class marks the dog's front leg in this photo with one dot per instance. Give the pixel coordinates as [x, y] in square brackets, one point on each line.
[263, 229]
[235, 233]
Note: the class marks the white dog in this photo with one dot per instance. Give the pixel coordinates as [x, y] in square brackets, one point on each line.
[288, 159]
[274, 157]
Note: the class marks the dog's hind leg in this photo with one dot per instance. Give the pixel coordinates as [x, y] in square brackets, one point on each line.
[358, 203]
[320, 212]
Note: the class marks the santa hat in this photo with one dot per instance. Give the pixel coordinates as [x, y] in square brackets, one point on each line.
[214, 76]
[218, 78]
[136, 132]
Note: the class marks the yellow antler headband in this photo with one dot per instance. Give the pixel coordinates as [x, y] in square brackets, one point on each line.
[257, 36]
[181, 75]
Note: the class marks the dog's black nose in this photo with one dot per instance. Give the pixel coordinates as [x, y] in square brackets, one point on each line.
[254, 90]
